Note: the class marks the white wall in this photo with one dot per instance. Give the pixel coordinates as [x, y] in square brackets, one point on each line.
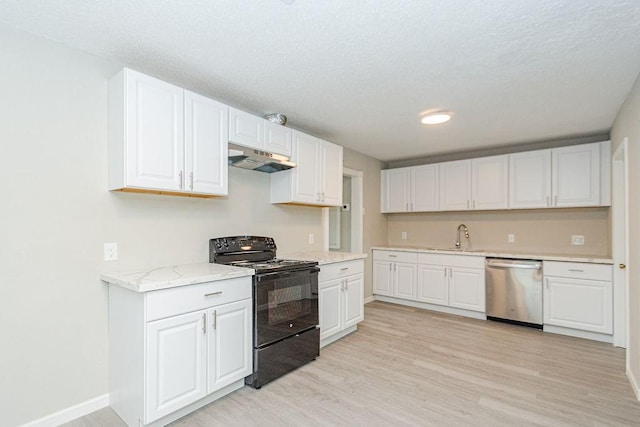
[56, 215]
[627, 124]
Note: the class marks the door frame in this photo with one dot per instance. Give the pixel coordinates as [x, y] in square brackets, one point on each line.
[357, 211]
[620, 243]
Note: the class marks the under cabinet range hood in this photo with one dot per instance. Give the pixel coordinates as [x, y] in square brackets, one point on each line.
[254, 159]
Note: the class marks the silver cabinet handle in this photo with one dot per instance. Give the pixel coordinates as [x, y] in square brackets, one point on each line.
[191, 180]
[411, 206]
[575, 270]
[407, 206]
[546, 283]
[204, 323]
[393, 256]
[180, 180]
[215, 320]
[211, 294]
[473, 204]
[555, 200]
[547, 200]
[344, 269]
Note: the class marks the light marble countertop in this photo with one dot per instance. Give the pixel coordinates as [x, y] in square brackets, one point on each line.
[175, 275]
[490, 253]
[324, 257]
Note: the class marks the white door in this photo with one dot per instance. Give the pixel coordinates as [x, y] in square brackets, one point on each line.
[490, 182]
[331, 174]
[306, 153]
[424, 188]
[175, 371]
[206, 152]
[383, 278]
[229, 344]
[576, 175]
[353, 300]
[530, 179]
[620, 244]
[277, 139]
[594, 312]
[246, 129]
[330, 307]
[466, 288]
[433, 286]
[395, 190]
[155, 133]
[404, 281]
[455, 185]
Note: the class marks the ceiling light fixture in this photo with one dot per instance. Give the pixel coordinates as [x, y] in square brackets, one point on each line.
[436, 118]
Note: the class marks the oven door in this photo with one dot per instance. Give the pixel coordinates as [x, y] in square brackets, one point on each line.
[285, 304]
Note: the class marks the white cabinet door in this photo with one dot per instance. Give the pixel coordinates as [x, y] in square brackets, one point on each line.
[306, 153]
[382, 278]
[490, 182]
[455, 185]
[176, 353]
[579, 304]
[330, 307]
[433, 284]
[246, 129]
[576, 175]
[331, 169]
[229, 341]
[353, 300]
[154, 133]
[205, 148]
[530, 179]
[277, 139]
[425, 189]
[404, 280]
[395, 190]
[466, 288]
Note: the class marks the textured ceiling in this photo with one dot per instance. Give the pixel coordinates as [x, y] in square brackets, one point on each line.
[360, 72]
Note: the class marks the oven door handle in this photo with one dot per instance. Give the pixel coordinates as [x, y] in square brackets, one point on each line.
[285, 274]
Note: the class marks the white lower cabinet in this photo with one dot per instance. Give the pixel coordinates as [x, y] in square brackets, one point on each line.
[451, 280]
[340, 299]
[578, 296]
[174, 350]
[394, 274]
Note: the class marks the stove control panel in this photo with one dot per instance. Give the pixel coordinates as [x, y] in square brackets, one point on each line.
[222, 245]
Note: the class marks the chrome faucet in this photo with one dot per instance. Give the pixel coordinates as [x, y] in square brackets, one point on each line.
[466, 234]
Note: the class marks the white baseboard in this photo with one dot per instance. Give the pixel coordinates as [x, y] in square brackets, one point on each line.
[367, 300]
[71, 413]
[634, 383]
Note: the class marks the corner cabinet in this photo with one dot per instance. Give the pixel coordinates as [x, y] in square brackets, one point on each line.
[578, 297]
[340, 299]
[317, 177]
[164, 139]
[174, 350]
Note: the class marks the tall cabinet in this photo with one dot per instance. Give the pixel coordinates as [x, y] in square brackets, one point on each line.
[164, 139]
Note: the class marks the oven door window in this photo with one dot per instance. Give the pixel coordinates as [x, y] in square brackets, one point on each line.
[286, 304]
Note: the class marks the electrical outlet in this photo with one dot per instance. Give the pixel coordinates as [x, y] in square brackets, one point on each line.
[404, 235]
[110, 251]
[511, 238]
[312, 238]
[577, 239]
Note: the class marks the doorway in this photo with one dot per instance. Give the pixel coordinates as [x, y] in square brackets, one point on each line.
[343, 224]
[620, 244]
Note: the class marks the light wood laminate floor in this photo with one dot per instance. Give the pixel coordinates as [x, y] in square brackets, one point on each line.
[408, 366]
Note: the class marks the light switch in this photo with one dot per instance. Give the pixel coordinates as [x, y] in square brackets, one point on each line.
[577, 239]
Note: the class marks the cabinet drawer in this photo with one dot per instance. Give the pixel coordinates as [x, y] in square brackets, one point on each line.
[578, 270]
[184, 299]
[340, 269]
[395, 256]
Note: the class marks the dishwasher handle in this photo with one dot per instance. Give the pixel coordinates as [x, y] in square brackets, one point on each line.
[502, 264]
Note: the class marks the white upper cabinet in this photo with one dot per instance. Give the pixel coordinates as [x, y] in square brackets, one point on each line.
[455, 185]
[572, 176]
[530, 179]
[490, 182]
[164, 139]
[255, 132]
[317, 178]
[395, 186]
[424, 188]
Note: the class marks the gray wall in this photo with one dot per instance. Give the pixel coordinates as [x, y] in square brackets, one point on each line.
[57, 213]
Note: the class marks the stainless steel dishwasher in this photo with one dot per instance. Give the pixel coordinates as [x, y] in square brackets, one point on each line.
[514, 291]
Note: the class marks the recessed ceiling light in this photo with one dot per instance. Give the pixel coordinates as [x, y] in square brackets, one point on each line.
[436, 118]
